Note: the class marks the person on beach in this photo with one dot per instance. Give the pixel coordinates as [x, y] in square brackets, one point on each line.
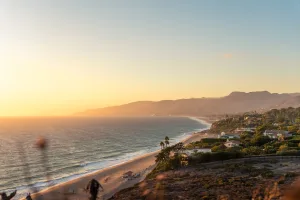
[93, 186]
[5, 197]
[28, 197]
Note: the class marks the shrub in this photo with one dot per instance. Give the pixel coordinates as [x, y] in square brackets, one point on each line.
[219, 148]
[259, 140]
[289, 153]
[217, 156]
[201, 144]
[269, 149]
[267, 173]
[290, 174]
[234, 149]
[252, 150]
[293, 129]
[213, 140]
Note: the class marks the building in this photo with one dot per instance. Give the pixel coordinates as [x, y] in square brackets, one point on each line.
[232, 143]
[242, 130]
[223, 135]
[277, 134]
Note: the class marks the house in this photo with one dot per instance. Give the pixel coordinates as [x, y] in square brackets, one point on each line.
[232, 143]
[200, 150]
[277, 134]
[223, 135]
[241, 130]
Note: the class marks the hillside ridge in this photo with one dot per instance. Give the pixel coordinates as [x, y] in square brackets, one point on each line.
[235, 102]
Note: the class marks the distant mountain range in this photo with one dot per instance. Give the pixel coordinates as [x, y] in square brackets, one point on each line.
[236, 102]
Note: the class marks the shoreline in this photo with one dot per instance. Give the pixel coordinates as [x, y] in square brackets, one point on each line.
[143, 164]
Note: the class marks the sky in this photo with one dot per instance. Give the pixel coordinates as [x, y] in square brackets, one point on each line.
[58, 57]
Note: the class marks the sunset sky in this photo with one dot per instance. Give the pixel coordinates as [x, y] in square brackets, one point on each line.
[59, 57]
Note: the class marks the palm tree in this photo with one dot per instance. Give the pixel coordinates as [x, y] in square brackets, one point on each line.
[163, 156]
[167, 143]
[167, 140]
[162, 145]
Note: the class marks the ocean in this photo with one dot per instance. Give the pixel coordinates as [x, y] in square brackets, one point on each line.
[77, 146]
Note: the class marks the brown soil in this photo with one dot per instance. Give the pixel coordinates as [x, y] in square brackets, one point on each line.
[261, 181]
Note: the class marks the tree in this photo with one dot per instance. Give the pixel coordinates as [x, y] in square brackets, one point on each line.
[281, 119]
[162, 145]
[269, 149]
[164, 155]
[167, 143]
[245, 136]
[178, 147]
[262, 128]
[176, 161]
[234, 149]
[293, 129]
[218, 148]
[259, 140]
[167, 140]
[252, 150]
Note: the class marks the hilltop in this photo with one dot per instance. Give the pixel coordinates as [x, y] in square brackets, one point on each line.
[234, 103]
[256, 179]
[250, 163]
[282, 119]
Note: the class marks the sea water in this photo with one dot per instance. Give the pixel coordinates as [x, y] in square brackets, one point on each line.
[77, 146]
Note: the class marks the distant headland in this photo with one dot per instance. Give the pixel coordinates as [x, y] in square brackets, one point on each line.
[234, 103]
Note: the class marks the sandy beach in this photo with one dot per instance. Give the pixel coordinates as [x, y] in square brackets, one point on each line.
[110, 178]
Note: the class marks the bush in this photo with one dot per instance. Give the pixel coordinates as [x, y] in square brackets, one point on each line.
[252, 150]
[289, 153]
[234, 149]
[202, 144]
[270, 149]
[259, 140]
[175, 162]
[213, 140]
[290, 174]
[246, 136]
[293, 129]
[217, 156]
[262, 128]
[267, 173]
[218, 148]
